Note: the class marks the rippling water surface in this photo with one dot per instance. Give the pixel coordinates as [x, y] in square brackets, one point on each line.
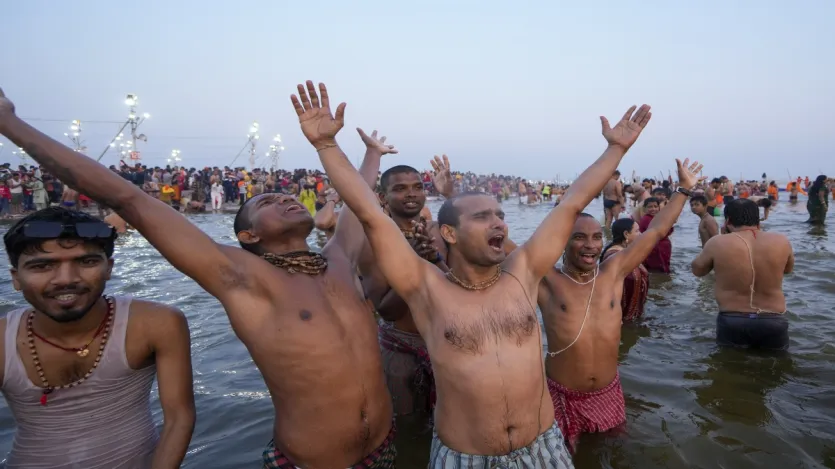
[689, 404]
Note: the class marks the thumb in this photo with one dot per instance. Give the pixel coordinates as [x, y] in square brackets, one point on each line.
[362, 134]
[340, 113]
[2, 94]
[605, 123]
[678, 163]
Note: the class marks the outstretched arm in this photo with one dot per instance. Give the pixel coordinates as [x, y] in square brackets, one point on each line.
[186, 247]
[397, 260]
[636, 252]
[349, 236]
[547, 244]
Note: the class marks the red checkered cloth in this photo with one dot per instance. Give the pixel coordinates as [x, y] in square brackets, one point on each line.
[381, 458]
[579, 412]
[424, 377]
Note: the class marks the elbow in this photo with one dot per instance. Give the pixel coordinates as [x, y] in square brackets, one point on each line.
[698, 270]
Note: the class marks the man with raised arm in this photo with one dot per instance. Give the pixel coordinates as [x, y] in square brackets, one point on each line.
[479, 320]
[581, 310]
[299, 313]
[749, 265]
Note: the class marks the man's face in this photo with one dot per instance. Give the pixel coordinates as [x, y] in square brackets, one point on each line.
[652, 209]
[273, 214]
[697, 208]
[481, 230]
[586, 244]
[404, 195]
[65, 280]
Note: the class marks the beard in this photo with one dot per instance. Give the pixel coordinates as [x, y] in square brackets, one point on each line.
[69, 314]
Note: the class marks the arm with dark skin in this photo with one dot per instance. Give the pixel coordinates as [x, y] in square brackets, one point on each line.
[404, 270]
[349, 235]
[712, 227]
[636, 252]
[325, 218]
[187, 248]
[539, 254]
[703, 263]
[172, 353]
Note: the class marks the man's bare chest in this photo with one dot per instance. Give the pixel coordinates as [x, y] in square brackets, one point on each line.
[473, 328]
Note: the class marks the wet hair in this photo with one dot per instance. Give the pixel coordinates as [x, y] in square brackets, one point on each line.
[243, 223]
[449, 213]
[394, 170]
[820, 181]
[699, 198]
[620, 227]
[716, 181]
[742, 212]
[651, 200]
[18, 243]
[764, 202]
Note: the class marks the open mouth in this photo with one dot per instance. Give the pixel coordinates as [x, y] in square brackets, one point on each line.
[411, 205]
[496, 242]
[294, 208]
[66, 298]
[588, 258]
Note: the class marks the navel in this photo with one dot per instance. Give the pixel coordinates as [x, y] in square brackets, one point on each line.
[305, 315]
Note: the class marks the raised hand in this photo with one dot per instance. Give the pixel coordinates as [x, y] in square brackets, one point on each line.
[688, 174]
[424, 245]
[332, 196]
[6, 105]
[625, 132]
[317, 123]
[441, 176]
[373, 143]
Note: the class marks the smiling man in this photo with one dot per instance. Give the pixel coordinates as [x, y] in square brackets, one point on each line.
[80, 365]
[299, 313]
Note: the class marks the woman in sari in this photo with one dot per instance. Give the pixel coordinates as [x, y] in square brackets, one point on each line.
[636, 284]
[818, 202]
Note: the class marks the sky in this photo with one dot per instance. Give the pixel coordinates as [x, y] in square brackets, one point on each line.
[500, 87]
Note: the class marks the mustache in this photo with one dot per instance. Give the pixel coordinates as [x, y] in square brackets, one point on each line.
[68, 291]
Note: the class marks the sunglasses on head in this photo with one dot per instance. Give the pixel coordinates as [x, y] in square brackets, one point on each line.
[55, 229]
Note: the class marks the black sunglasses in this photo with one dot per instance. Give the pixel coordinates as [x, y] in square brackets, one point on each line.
[54, 229]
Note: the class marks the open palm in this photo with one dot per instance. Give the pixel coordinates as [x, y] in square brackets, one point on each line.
[377, 144]
[625, 132]
[317, 123]
[688, 173]
[441, 175]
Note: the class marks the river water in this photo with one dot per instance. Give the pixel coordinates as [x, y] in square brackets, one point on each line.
[689, 404]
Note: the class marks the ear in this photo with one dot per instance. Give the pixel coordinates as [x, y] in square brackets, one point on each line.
[15, 281]
[109, 269]
[382, 198]
[449, 234]
[247, 237]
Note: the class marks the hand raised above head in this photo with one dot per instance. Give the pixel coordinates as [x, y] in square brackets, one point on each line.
[317, 123]
[6, 105]
[441, 175]
[625, 132]
[688, 174]
[373, 143]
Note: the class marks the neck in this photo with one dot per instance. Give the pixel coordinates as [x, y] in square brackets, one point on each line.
[405, 223]
[466, 272]
[71, 331]
[292, 244]
[703, 215]
[576, 273]
[745, 228]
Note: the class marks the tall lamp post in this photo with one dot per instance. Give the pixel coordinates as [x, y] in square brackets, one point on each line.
[275, 151]
[253, 141]
[135, 120]
[174, 158]
[75, 136]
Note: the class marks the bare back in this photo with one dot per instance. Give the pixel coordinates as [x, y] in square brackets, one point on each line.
[486, 351]
[317, 350]
[708, 228]
[771, 253]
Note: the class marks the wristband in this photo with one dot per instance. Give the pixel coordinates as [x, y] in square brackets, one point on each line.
[684, 191]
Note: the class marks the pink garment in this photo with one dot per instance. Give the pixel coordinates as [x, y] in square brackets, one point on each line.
[658, 259]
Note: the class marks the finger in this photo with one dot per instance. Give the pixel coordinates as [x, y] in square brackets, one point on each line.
[699, 168]
[628, 114]
[605, 124]
[383, 139]
[2, 94]
[340, 114]
[645, 120]
[434, 165]
[446, 162]
[314, 97]
[298, 107]
[642, 112]
[303, 97]
[323, 90]
[392, 149]
[362, 134]
[685, 164]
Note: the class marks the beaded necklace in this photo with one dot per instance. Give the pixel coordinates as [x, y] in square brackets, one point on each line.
[476, 286]
[306, 262]
[30, 335]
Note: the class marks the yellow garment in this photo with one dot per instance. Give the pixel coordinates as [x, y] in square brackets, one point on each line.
[308, 199]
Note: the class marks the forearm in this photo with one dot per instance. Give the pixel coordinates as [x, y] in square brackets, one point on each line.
[349, 183]
[72, 168]
[370, 167]
[665, 219]
[593, 179]
[174, 440]
[325, 218]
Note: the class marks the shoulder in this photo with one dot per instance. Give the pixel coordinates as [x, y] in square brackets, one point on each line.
[155, 314]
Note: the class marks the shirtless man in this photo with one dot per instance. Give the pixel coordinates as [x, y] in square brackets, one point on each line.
[708, 227]
[749, 266]
[304, 322]
[480, 326]
[613, 200]
[89, 359]
[581, 309]
[405, 359]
